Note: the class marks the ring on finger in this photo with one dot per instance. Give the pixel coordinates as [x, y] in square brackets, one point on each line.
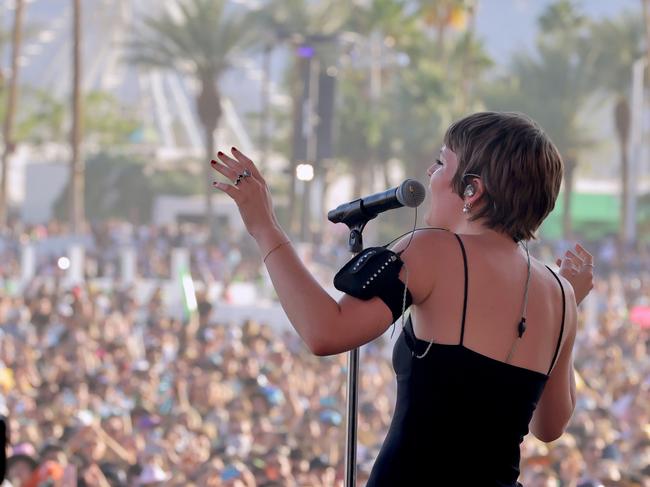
[241, 176]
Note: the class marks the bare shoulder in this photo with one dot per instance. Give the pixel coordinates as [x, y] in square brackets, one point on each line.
[566, 285]
[423, 240]
[571, 306]
[421, 251]
[551, 284]
[568, 288]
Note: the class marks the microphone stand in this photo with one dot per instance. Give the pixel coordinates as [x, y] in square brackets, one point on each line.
[355, 215]
[355, 245]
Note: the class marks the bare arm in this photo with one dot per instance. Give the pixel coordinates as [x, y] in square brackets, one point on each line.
[558, 400]
[324, 325]
[327, 327]
[114, 445]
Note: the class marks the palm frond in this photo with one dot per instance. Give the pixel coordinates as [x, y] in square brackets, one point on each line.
[200, 34]
[616, 44]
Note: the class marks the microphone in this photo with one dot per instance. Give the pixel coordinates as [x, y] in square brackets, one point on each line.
[410, 193]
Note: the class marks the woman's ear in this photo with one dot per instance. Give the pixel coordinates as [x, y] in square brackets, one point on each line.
[473, 191]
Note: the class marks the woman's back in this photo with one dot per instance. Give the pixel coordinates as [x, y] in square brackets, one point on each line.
[459, 403]
[495, 296]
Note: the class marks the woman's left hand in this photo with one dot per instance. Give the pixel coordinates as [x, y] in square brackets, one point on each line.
[577, 268]
[251, 193]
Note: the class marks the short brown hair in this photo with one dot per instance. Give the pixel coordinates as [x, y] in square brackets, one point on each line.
[521, 169]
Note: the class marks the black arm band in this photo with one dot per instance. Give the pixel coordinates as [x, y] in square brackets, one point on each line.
[375, 273]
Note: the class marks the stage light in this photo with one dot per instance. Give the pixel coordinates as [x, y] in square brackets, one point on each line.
[63, 263]
[305, 172]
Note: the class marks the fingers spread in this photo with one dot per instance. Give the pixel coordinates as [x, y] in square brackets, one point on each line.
[229, 161]
[229, 189]
[223, 169]
[586, 256]
[574, 257]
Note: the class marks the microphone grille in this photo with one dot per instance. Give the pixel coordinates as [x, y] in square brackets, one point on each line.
[410, 193]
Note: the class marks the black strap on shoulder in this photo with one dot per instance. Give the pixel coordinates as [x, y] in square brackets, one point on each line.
[462, 247]
[462, 326]
[559, 340]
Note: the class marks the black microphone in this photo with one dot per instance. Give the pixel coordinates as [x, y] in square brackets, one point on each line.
[410, 193]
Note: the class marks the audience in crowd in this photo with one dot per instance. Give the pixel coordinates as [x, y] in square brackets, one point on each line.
[101, 389]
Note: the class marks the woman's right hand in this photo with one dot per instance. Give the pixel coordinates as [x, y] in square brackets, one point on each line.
[578, 268]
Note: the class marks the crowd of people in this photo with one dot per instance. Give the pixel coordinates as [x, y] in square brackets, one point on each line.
[104, 242]
[104, 390]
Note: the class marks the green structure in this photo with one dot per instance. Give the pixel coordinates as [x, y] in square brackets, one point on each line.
[594, 216]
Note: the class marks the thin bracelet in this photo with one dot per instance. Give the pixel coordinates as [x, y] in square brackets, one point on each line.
[274, 248]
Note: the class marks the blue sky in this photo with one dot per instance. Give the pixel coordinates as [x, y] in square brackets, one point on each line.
[507, 25]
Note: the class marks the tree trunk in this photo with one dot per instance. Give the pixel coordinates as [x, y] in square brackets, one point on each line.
[622, 119]
[625, 190]
[646, 16]
[569, 170]
[209, 189]
[323, 202]
[386, 172]
[359, 176]
[2, 75]
[266, 109]
[305, 211]
[297, 95]
[77, 163]
[208, 106]
[467, 64]
[12, 99]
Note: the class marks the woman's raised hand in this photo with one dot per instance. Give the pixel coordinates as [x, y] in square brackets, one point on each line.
[578, 268]
[249, 191]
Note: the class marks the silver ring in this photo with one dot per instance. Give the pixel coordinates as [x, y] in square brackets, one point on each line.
[241, 176]
[591, 265]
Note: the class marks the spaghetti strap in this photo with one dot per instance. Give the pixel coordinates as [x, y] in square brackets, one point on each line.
[462, 326]
[559, 341]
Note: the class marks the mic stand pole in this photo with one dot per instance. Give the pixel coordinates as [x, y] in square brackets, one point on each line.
[355, 244]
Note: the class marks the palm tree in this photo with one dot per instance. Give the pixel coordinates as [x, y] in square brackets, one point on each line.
[646, 23]
[437, 87]
[440, 82]
[77, 164]
[552, 87]
[467, 62]
[386, 25]
[4, 36]
[618, 44]
[363, 126]
[107, 124]
[442, 14]
[422, 106]
[10, 114]
[299, 24]
[201, 41]
[41, 118]
[390, 18]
